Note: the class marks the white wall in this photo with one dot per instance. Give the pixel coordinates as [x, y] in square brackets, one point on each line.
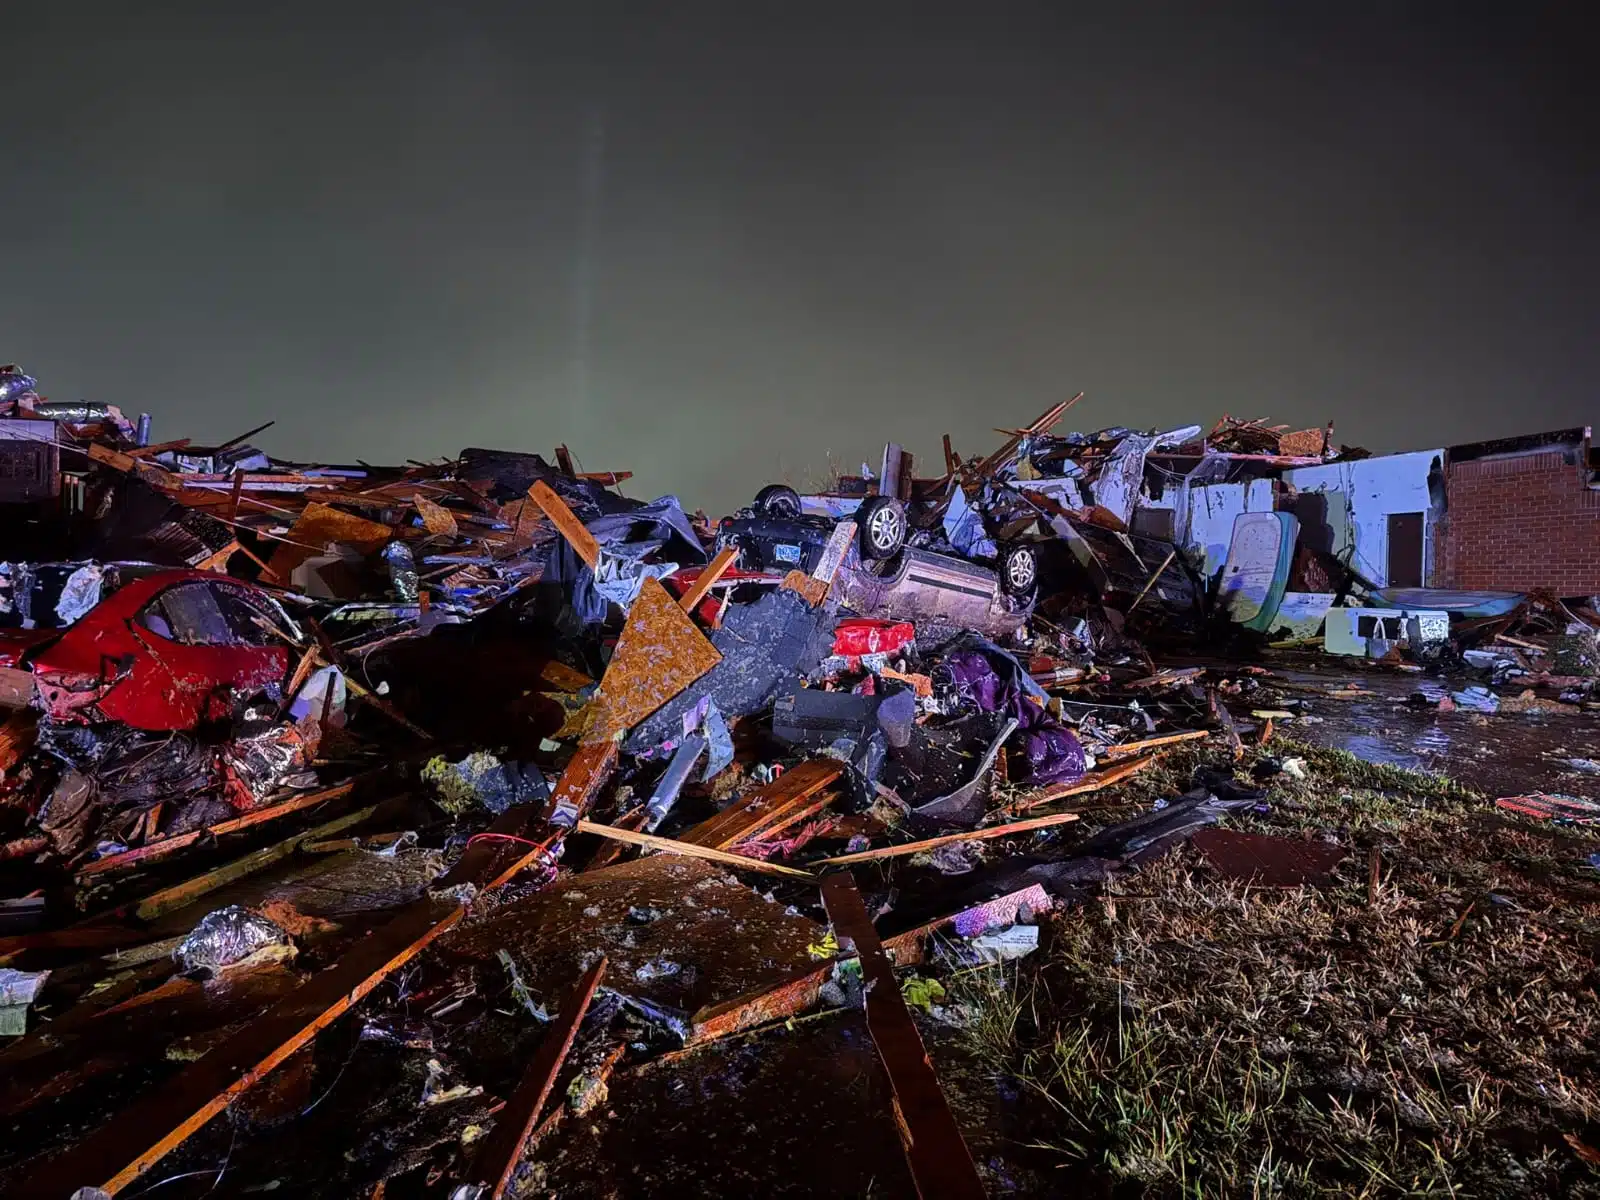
[1205, 523]
[1361, 495]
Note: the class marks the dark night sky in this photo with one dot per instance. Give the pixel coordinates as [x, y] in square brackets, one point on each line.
[716, 245]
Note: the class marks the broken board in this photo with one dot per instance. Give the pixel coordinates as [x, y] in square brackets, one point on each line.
[659, 654]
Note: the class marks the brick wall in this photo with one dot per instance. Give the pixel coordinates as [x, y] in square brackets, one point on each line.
[1522, 522]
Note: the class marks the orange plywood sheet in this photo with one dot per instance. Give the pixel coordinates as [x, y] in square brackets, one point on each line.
[318, 525]
[659, 654]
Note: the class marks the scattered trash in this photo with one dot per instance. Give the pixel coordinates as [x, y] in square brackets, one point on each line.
[476, 728]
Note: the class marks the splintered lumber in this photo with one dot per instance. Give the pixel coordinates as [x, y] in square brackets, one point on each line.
[1168, 739]
[793, 996]
[138, 1137]
[767, 807]
[814, 590]
[566, 522]
[941, 1164]
[660, 653]
[671, 845]
[1041, 425]
[707, 578]
[585, 774]
[1089, 783]
[166, 846]
[179, 894]
[933, 843]
[496, 1160]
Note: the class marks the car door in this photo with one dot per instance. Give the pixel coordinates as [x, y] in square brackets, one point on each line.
[202, 643]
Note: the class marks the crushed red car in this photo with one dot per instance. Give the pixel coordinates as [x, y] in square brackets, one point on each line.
[164, 652]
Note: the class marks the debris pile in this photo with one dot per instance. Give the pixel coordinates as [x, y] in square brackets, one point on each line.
[552, 784]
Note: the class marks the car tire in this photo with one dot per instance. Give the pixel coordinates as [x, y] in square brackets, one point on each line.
[882, 525]
[1019, 570]
[778, 500]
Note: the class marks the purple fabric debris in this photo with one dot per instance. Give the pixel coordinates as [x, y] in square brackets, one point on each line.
[1053, 752]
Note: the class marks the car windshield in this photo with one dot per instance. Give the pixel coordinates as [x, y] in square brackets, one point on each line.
[206, 614]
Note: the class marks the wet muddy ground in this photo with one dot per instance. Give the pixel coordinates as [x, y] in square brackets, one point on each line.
[1504, 754]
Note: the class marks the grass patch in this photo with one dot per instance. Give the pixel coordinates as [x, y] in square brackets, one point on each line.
[1186, 1036]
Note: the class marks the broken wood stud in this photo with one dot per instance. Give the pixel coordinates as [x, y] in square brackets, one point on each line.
[941, 1164]
[707, 579]
[767, 808]
[138, 1137]
[496, 1160]
[1113, 774]
[653, 842]
[933, 843]
[179, 894]
[1165, 562]
[566, 522]
[170, 845]
[1126, 749]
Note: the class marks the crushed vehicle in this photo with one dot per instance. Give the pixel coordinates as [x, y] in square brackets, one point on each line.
[886, 573]
[165, 651]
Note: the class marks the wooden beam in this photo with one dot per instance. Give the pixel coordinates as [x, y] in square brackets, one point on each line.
[673, 846]
[933, 843]
[496, 1160]
[171, 845]
[941, 1164]
[706, 580]
[138, 1137]
[1168, 739]
[758, 811]
[1089, 783]
[566, 522]
[179, 894]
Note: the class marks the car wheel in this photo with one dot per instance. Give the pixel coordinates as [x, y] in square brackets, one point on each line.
[778, 500]
[882, 522]
[1019, 570]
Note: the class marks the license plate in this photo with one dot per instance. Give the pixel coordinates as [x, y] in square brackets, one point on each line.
[786, 554]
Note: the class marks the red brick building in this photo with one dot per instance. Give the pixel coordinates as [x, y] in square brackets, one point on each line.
[1522, 513]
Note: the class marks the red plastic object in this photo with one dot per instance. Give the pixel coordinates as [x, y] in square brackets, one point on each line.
[858, 636]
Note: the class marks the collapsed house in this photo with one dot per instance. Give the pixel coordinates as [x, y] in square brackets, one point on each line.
[368, 826]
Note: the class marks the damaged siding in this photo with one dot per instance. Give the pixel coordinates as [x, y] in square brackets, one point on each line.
[1345, 508]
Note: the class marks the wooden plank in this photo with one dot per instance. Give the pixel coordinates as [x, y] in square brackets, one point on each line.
[179, 894]
[673, 846]
[941, 1164]
[761, 809]
[933, 843]
[1126, 749]
[660, 653]
[585, 774]
[707, 578]
[496, 1160]
[787, 999]
[1089, 783]
[171, 845]
[564, 460]
[566, 522]
[812, 589]
[138, 1137]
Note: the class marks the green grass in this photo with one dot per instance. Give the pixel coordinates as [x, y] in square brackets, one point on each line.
[1186, 1036]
